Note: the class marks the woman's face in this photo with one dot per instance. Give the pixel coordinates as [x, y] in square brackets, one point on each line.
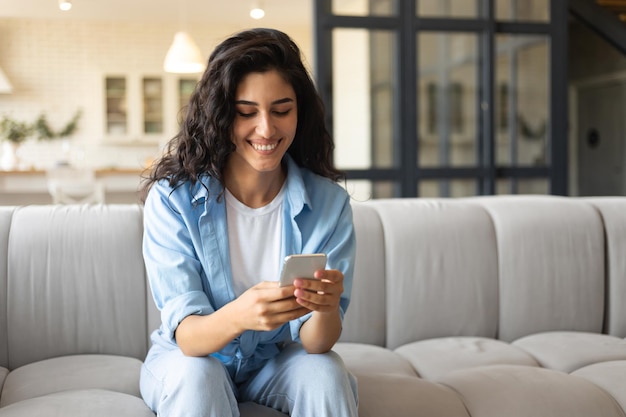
[265, 122]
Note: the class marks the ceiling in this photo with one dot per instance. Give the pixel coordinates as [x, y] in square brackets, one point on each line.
[236, 12]
[229, 12]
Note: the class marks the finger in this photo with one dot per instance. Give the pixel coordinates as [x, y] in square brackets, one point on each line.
[318, 286]
[318, 298]
[278, 308]
[313, 286]
[271, 291]
[331, 275]
[284, 305]
[270, 322]
[316, 306]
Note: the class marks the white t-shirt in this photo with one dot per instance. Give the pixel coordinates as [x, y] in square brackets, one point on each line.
[254, 241]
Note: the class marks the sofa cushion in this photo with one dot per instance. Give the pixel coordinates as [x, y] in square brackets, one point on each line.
[551, 264]
[95, 303]
[522, 391]
[364, 359]
[365, 319]
[393, 395]
[435, 358]
[441, 270]
[612, 210]
[79, 403]
[568, 351]
[610, 376]
[112, 373]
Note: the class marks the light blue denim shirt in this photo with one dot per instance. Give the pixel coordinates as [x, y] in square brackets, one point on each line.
[185, 249]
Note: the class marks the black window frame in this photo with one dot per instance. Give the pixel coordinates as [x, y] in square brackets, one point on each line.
[407, 173]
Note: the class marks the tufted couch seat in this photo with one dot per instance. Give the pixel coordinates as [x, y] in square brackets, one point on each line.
[485, 306]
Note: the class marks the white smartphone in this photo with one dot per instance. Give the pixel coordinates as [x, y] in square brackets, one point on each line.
[301, 266]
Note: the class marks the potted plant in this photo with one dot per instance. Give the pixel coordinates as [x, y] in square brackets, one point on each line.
[45, 132]
[13, 133]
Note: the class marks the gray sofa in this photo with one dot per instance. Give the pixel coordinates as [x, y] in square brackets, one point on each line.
[487, 306]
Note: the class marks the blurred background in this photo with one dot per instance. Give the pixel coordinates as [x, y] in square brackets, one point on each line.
[432, 98]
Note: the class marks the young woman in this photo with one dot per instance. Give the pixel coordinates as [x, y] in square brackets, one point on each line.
[247, 181]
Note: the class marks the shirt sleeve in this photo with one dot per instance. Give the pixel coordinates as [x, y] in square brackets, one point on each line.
[173, 268]
[337, 240]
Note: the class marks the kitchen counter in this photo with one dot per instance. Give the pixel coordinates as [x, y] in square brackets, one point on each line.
[19, 187]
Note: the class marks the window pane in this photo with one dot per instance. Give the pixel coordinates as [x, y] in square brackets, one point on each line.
[447, 8]
[365, 7]
[448, 90]
[364, 92]
[523, 186]
[503, 186]
[447, 188]
[533, 186]
[363, 190]
[522, 100]
[523, 10]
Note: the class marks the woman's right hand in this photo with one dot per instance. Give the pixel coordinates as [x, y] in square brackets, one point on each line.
[266, 306]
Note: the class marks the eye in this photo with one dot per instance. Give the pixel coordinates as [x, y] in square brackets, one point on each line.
[282, 113]
[246, 115]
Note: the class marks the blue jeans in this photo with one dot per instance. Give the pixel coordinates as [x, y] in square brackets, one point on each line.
[294, 382]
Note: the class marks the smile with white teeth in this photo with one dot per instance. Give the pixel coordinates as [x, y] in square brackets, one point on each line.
[268, 147]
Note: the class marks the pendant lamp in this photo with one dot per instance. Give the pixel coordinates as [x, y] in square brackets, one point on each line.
[184, 56]
[5, 85]
[65, 5]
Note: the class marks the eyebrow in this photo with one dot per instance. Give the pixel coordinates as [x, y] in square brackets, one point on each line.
[252, 103]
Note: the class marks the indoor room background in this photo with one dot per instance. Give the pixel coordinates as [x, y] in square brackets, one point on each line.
[59, 63]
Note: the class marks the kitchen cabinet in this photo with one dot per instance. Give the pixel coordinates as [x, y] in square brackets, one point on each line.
[116, 102]
[144, 109]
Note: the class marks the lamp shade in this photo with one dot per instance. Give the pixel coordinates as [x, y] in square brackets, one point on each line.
[184, 56]
[5, 85]
[65, 5]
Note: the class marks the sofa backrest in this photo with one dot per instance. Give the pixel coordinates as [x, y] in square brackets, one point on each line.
[551, 264]
[6, 214]
[72, 278]
[503, 267]
[440, 271]
[75, 283]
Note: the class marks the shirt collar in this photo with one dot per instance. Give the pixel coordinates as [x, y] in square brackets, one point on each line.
[295, 190]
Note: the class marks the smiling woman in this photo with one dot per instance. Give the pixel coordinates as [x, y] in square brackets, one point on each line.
[246, 182]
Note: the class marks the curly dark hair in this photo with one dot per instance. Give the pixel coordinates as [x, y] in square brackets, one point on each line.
[203, 144]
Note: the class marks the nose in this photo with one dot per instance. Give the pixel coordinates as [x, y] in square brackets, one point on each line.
[265, 126]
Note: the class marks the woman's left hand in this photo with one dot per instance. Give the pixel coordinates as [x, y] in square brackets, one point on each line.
[321, 294]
